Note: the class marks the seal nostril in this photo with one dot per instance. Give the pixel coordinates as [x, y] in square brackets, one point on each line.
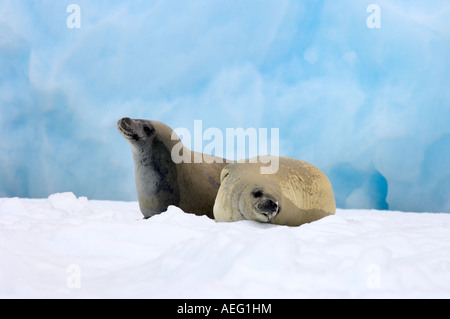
[271, 205]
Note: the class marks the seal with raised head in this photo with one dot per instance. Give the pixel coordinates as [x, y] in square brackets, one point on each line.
[297, 193]
[160, 181]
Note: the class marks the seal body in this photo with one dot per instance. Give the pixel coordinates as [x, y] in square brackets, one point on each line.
[161, 179]
[297, 193]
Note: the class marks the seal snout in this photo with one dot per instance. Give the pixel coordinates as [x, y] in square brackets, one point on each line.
[125, 127]
[268, 207]
[121, 123]
[125, 123]
[266, 204]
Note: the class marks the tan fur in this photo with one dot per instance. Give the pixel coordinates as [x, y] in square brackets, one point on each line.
[198, 182]
[301, 190]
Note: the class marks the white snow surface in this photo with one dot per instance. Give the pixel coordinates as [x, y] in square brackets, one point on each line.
[69, 247]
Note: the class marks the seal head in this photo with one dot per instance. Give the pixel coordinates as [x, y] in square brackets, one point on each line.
[260, 201]
[247, 196]
[135, 131]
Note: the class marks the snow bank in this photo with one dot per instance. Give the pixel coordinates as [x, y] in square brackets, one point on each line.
[72, 247]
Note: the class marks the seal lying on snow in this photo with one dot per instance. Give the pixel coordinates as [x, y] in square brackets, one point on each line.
[160, 181]
[297, 193]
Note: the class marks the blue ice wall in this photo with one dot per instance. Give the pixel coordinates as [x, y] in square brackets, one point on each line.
[369, 106]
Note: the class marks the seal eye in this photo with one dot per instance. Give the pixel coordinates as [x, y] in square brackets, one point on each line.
[257, 193]
[148, 130]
